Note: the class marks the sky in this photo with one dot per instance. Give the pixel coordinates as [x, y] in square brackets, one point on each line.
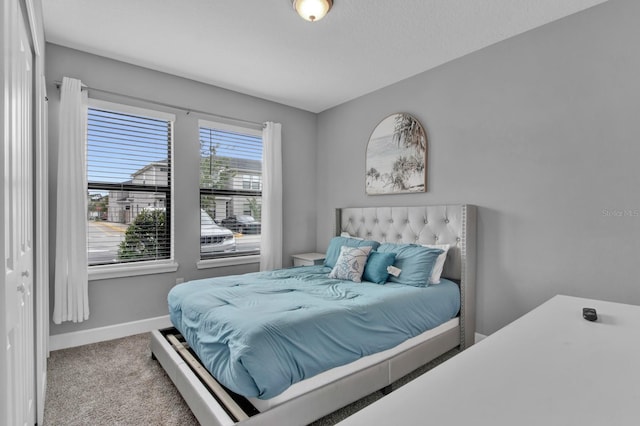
[119, 144]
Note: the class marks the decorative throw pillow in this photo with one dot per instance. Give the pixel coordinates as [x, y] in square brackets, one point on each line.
[336, 243]
[375, 270]
[437, 268]
[350, 264]
[415, 261]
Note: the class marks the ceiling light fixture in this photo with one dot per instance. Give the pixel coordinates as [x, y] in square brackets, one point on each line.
[312, 10]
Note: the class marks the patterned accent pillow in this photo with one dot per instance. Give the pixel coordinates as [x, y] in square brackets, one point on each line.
[350, 264]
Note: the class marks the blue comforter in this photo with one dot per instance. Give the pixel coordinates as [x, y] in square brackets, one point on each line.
[259, 333]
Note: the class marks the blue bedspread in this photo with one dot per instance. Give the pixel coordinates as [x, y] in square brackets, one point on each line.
[259, 333]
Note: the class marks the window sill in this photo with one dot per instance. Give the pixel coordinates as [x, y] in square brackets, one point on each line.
[227, 261]
[122, 271]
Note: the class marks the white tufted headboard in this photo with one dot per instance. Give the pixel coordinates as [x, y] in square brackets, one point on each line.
[444, 224]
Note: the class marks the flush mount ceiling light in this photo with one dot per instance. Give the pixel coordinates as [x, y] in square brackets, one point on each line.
[312, 10]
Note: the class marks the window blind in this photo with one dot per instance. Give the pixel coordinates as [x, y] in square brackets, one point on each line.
[230, 190]
[129, 187]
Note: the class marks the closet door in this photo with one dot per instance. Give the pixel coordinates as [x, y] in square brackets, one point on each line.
[18, 384]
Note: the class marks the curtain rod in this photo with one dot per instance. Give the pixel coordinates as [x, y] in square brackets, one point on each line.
[181, 108]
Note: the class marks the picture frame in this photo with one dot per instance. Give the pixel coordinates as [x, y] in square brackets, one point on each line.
[396, 157]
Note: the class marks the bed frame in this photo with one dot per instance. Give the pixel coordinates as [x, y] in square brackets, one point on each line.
[443, 224]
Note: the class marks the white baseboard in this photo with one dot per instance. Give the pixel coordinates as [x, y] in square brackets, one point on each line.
[101, 334]
[479, 337]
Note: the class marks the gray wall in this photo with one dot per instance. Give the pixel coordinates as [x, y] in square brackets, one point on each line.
[117, 301]
[541, 132]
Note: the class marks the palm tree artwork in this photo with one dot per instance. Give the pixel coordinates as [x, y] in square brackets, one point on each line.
[397, 156]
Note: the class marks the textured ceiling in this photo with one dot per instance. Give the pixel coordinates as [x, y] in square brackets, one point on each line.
[262, 48]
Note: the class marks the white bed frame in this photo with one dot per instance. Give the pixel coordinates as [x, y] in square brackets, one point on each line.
[444, 224]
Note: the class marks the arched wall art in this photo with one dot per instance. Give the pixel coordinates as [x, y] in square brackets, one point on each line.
[397, 156]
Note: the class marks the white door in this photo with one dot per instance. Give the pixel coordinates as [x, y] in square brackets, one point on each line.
[17, 205]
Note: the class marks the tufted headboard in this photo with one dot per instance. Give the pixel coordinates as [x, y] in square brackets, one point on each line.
[440, 224]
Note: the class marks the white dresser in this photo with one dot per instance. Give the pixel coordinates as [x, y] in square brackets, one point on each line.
[550, 367]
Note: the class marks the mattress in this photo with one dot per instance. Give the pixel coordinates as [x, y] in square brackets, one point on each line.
[330, 376]
[259, 333]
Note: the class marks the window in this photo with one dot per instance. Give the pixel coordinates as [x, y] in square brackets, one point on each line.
[252, 182]
[129, 158]
[230, 190]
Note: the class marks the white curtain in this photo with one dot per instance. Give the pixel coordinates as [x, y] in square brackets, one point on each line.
[271, 246]
[71, 295]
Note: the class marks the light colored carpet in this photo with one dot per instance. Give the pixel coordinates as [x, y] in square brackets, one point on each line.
[112, 383]
[117, 383]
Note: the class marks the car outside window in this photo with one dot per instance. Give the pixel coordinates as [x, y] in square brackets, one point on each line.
[230, 185]
[129, 205]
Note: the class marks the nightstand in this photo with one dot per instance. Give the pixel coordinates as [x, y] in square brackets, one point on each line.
[308, 259]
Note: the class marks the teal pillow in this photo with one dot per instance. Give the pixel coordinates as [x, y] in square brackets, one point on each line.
[375, 270]
[333, 251]
[415, 262]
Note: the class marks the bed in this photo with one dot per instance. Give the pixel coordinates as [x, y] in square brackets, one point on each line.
[324, 392]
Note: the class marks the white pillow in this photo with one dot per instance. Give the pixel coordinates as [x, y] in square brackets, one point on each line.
[348, 235]
[439, 265]
[350, 263]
